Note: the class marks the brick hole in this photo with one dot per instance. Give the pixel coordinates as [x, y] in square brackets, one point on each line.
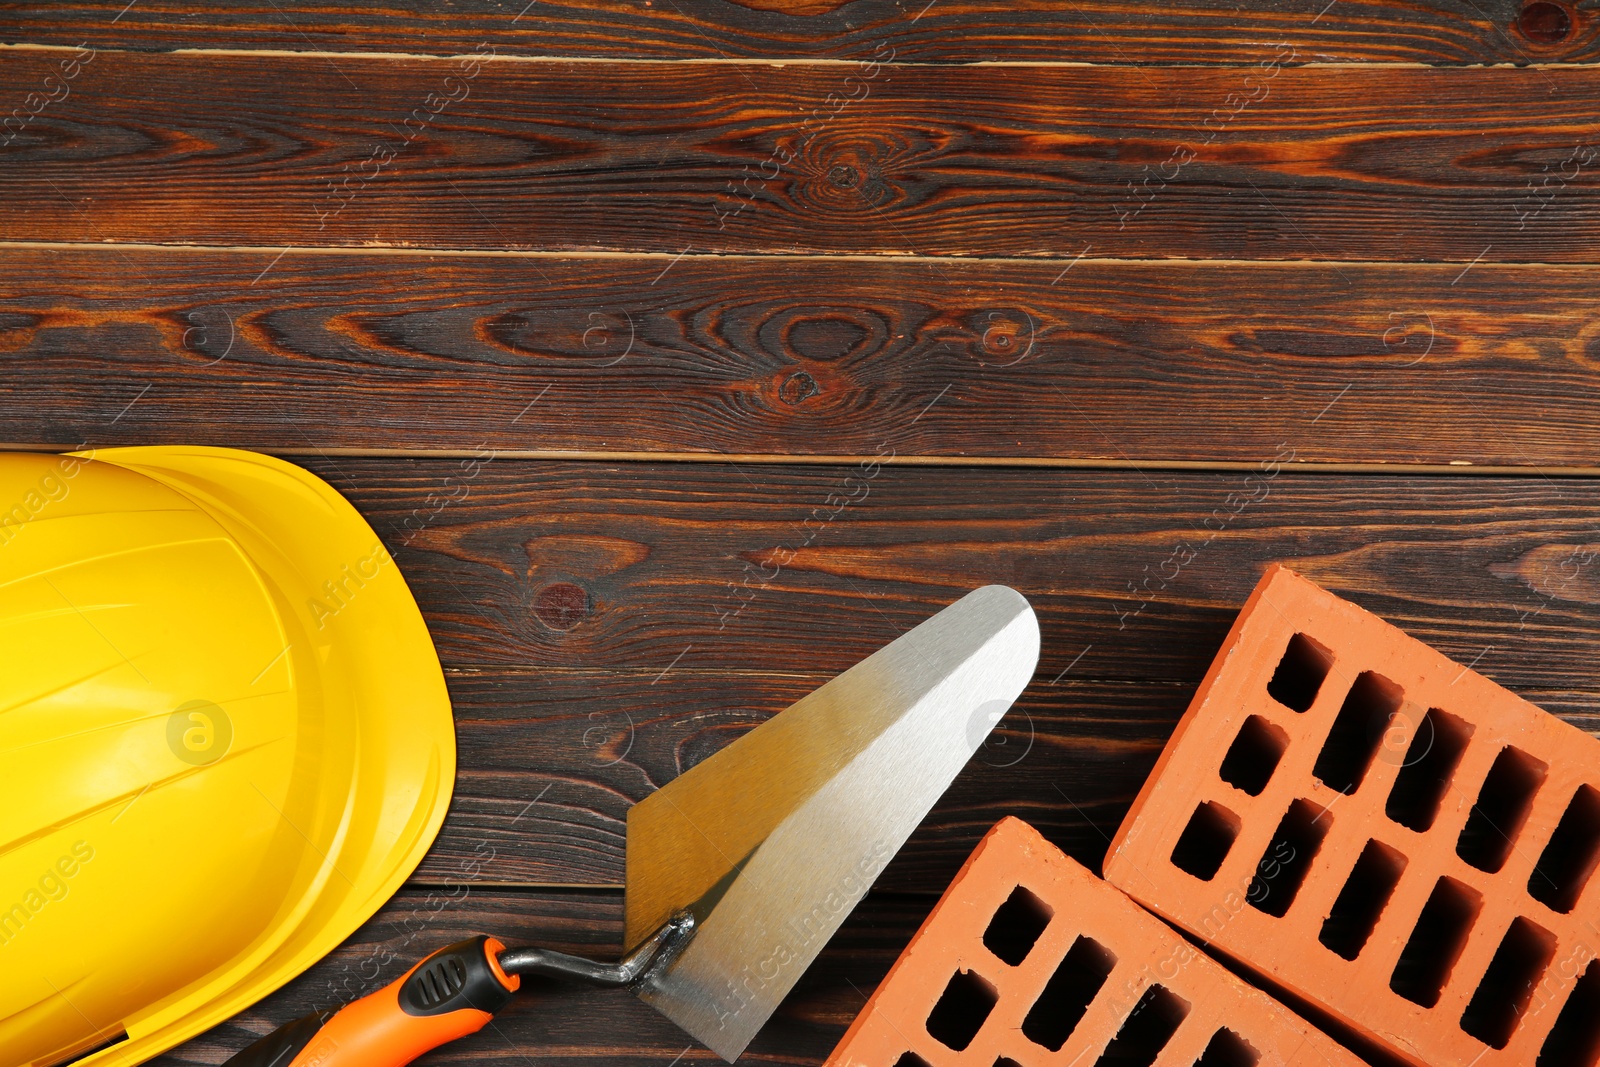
[1228, 1049]
[1501, 809]
[1436, 942]
[1430, 763]
[911, 1059]
[962, 1008]
[1300, 673]
[1016, 926]
[1068, 994]
[1206, 841]
[1288, 857]
[1006, 1061]
[1507, 986]
[1146, 1030]
[1569, 859]
[1574, 1041]
[1363, 718]
[1361, 902]
[1254, 755]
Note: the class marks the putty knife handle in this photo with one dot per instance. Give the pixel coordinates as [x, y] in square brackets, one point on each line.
[452, 993]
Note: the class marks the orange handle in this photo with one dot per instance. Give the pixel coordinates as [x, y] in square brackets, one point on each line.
[452, 993]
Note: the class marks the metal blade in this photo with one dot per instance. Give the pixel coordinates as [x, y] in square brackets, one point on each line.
[773, 841]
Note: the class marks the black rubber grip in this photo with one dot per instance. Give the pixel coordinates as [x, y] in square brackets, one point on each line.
[282, 1045]
[454, 978]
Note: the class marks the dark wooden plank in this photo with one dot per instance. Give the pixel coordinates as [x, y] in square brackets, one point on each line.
[1115, 361]
[1261, 162]
[551, 761]
[603, 631]
[1095, 31]
[557, 1025]
[587, 565]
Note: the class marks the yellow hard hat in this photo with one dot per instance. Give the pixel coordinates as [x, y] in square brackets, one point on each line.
[225, 741]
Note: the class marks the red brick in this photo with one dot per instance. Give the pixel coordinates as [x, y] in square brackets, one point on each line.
[963, 946]
[1381, 766]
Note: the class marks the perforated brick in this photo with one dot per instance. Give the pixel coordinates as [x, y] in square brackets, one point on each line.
[1393, 837]
[1029, 960]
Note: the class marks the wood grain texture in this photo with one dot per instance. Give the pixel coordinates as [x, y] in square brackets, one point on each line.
[778, 567]
[555, 1025]
[550, 762]
[1085, 31]
[1111, 361]
[1393, 163]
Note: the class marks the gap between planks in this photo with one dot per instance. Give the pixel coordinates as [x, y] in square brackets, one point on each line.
[575, 888]
[1461, 467]
[380, 249]
[796, 61]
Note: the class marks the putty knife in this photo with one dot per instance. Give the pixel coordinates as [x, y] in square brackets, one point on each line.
[740, 869]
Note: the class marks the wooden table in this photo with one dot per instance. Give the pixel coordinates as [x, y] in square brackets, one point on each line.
[594, 309]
